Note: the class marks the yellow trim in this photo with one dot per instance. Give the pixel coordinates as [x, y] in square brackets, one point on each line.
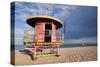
[36, 43]
[49, 17]
[45, 54]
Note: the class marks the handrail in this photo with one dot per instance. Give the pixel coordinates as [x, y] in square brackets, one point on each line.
[33, 37]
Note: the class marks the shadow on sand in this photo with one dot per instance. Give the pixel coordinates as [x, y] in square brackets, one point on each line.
[27, 52]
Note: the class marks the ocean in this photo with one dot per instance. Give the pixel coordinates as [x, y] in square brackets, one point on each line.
[22, 47]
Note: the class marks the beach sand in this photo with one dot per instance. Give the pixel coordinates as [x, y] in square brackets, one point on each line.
[75, 54]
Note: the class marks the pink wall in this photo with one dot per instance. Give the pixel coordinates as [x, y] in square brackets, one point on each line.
[39, 31]
[53, 36]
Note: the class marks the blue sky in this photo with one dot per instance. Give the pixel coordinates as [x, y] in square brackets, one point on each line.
[81, 21]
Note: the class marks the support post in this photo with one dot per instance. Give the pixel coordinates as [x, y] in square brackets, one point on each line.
[57, 54]
[34, 57]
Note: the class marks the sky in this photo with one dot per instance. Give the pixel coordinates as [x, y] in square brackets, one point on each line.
[81, 21]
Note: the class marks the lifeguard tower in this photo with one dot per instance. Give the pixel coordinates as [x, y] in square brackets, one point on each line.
[45, 36]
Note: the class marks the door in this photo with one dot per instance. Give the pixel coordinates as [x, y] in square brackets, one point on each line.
[48, 32]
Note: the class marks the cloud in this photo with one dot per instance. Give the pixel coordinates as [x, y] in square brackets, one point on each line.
[19, 31]
[64, 11]
[19, 36]
[23, 10]
[18, 41]
[81, 21]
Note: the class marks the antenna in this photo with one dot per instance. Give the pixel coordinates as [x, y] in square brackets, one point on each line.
[64, 30]
[64, 27]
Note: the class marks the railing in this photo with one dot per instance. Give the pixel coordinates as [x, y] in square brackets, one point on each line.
[30, 37]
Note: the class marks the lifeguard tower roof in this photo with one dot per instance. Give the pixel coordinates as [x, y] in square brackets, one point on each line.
[32, 20]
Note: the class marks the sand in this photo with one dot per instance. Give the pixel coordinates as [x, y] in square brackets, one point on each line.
[75, 54]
